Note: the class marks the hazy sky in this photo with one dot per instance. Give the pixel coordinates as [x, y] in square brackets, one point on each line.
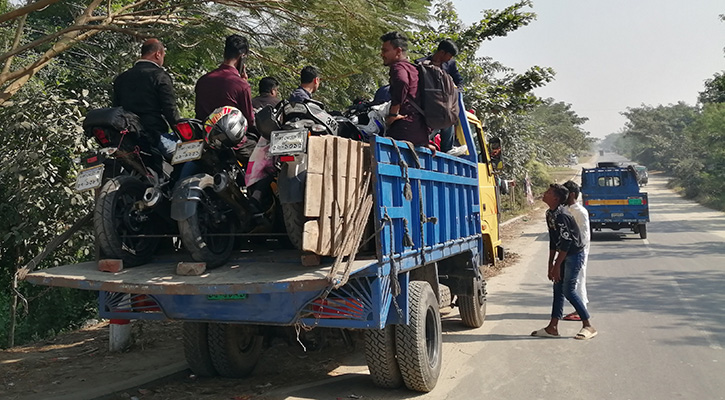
[613, 54]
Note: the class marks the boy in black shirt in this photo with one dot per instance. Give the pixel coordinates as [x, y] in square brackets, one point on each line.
[566, 258]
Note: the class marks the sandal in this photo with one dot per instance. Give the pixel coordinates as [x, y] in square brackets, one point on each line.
[586, 333]
[543, 333]
[572, 317]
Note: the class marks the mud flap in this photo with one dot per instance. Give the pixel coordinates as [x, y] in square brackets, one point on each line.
[188, 192]
[291, 181]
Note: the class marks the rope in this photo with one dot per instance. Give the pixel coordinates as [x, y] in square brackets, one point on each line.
[57, 241]
[407, 191]
[352, 242]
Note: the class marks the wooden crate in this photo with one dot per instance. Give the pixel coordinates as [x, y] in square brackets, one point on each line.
[333, 192]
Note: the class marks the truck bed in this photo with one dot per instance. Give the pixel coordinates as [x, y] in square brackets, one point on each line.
[250, 272]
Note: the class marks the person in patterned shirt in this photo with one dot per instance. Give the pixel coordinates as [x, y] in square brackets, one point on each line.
[566, 256]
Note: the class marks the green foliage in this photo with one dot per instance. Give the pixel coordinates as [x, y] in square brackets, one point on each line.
[714, 90]
[538, 174]
[40, 137]
[658, 133]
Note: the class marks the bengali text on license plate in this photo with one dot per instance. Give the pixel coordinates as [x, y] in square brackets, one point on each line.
[89, 178]
[188, 151]
[287, 142]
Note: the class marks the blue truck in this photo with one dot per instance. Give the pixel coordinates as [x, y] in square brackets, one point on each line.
[436, 224]
[612, 196]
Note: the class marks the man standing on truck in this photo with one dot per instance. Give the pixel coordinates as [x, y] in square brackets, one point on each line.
[228, 86]
[403, 120]
[565, 262]
[581, 216]
[268, 92]
[309, 83]
[443, 58]
[147, 91]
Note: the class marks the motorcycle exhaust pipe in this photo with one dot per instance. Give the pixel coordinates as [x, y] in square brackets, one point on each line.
[221, 181]
[151, 196]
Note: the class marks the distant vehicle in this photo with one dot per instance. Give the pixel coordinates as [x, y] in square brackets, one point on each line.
[573, 159]
[612, 196]
[601, 152]
[642, 176]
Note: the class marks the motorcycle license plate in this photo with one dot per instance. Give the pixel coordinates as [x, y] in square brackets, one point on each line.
[89, 178]
[288, 142]
[188, 151]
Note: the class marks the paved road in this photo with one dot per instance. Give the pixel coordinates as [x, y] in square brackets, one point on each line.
[659, 306]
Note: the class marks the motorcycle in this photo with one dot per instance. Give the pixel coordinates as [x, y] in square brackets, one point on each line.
[133, 180]
[212, 207]
[288, 126]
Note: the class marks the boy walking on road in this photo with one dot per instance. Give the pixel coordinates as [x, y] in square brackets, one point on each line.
[565, 262]
[581, 216]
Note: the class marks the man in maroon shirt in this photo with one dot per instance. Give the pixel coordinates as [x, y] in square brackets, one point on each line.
[227, 85]
[404, 121]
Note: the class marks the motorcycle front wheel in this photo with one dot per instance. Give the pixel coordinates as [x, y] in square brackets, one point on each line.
[120, 227]
[208, 234]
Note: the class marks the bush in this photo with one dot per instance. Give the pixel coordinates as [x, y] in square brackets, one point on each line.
[539, 175]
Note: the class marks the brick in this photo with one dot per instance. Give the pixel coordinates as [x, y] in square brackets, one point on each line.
[110, 265]
[310, 259]
[190, 268]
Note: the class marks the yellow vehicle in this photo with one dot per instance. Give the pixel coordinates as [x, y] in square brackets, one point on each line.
[488, 155]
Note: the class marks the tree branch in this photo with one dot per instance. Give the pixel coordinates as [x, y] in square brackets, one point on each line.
[38, 5]
[16, 42]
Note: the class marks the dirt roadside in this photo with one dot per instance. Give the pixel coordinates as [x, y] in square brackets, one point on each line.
[78, 365]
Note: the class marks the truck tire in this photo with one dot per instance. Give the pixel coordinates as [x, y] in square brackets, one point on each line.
[114, 217]
[473, 308]
[446, 297]
[205, 220]
[380, 357]
[196, 348]
[418, 345]
[643, 231]
[234, 349]
[294, 222]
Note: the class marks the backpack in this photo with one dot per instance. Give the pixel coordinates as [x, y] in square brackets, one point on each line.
[113, 121]
[438, 95]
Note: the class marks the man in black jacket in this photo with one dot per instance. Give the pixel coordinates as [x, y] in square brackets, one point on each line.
[146, 90]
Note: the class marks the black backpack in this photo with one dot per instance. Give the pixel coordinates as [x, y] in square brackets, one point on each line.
[438, 95]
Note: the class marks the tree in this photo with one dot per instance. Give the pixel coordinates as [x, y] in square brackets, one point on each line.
[714, 90]
[658, 133]
[492, 89]
[144, 18]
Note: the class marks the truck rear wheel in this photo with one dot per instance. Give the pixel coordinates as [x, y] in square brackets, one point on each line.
[643, 231]
[294, 222]
[115, 217]
[380, 357]
[196, 348]
[473, 308]
[234, 349]
[418, 345]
